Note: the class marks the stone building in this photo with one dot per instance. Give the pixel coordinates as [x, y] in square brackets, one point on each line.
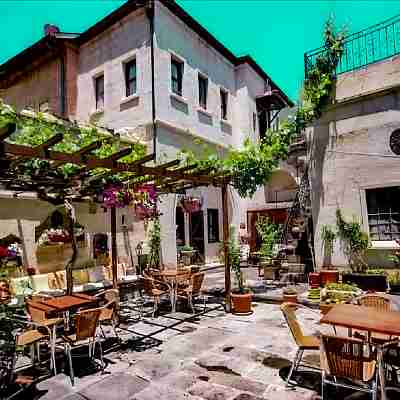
[150, 71]
[353, 150]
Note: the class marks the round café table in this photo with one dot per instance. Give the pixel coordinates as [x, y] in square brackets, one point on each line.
[173, 278]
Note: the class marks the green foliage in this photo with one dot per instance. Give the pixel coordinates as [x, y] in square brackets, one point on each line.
[253, 164]
[342, 287]
[34, 129]
[394, 278]
[186, 248]
[355, 242]
[234, 260]
[155, 243]
[328, 236]
[269, 234]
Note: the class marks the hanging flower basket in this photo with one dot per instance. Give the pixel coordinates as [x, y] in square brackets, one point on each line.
[191, 204]
[143, 211]
[145, 200]
[116, 196]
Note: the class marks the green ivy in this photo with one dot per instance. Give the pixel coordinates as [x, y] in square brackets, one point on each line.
[269, 233]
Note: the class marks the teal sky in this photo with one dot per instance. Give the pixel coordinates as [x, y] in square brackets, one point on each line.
[275, 32]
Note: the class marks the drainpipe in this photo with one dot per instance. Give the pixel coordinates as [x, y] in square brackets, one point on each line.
[150, 15]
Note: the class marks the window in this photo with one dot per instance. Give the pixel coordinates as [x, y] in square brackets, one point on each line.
[213, 225]
[99, 89]
[130, 78]
[384, 213]
[203, 88]
[176, 76]
[224, 104]
[254, 121]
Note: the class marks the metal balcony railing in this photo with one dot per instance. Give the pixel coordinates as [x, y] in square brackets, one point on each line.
[368, 46]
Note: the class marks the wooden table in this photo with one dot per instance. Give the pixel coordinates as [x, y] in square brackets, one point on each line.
[64, 304]
[366, 319]
[363, 318]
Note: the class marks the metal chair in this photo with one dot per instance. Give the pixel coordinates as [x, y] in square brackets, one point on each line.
[351, 359]
[193, 290]
[86, 323]
[108, 312]
[303, 342]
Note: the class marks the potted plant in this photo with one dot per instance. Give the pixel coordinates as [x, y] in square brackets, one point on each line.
[290, 295]
[394, 282]
[241, 295]
[355, 243]
[191, 204]
[269, 234]
[328, 274]
[187, 252]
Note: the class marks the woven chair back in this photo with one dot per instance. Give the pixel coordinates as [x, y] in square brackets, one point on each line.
[349, 358]
[380, 303]
[86, 323]
[36, 314]
[197, 282]
[148, 286]
[107, 311]
[288, 311]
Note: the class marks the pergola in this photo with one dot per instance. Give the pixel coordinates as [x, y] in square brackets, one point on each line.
[169, 177]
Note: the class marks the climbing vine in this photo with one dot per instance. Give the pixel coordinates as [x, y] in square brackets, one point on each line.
[253, 164]
[355, 242]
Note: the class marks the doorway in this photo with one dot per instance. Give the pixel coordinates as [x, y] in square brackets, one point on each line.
[196, 229]
[180, 227]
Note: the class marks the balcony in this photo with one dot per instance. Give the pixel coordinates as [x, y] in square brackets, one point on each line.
[368, 46]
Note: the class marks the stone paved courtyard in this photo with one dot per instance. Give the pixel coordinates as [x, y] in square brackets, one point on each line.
[216, 356]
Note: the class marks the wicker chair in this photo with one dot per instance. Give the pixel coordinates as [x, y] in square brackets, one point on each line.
[155, 290]
[350, 359]
[193, 290]
[379, 303]
[303, 342]
[85, 335]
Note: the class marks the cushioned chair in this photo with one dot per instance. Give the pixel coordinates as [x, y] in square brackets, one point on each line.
[40, 283]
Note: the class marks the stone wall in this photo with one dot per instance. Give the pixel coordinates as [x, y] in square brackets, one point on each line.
[349, 152]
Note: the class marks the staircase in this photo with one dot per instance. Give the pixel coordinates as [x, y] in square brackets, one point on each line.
[296, 225]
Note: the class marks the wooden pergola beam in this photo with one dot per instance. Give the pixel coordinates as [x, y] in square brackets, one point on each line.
[119, 154]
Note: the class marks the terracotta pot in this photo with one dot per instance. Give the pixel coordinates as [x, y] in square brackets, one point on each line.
[241, 303]
[329, 276]
[290, 298]
[314, 279]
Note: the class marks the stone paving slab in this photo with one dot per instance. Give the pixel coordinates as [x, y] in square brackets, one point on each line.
[114, 387]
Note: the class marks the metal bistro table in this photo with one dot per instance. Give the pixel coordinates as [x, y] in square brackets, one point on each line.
[365, 319]
[173, 278]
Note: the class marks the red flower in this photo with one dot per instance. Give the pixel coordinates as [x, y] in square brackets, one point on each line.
[3, 251]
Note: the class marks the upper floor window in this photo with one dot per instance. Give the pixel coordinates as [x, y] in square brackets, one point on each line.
[99, 91]
[224, 104]
[130, 78]
[383, 213]
[203, 89]
[176, 76]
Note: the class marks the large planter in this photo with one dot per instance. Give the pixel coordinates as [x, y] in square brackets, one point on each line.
[395, 289]
[241, 303]
[329, 276]
[376, 283]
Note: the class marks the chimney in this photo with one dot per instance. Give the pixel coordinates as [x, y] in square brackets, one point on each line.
[51, 30]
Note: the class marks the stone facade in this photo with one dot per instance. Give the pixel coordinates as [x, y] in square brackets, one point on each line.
[180, 120]
[349, 152]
